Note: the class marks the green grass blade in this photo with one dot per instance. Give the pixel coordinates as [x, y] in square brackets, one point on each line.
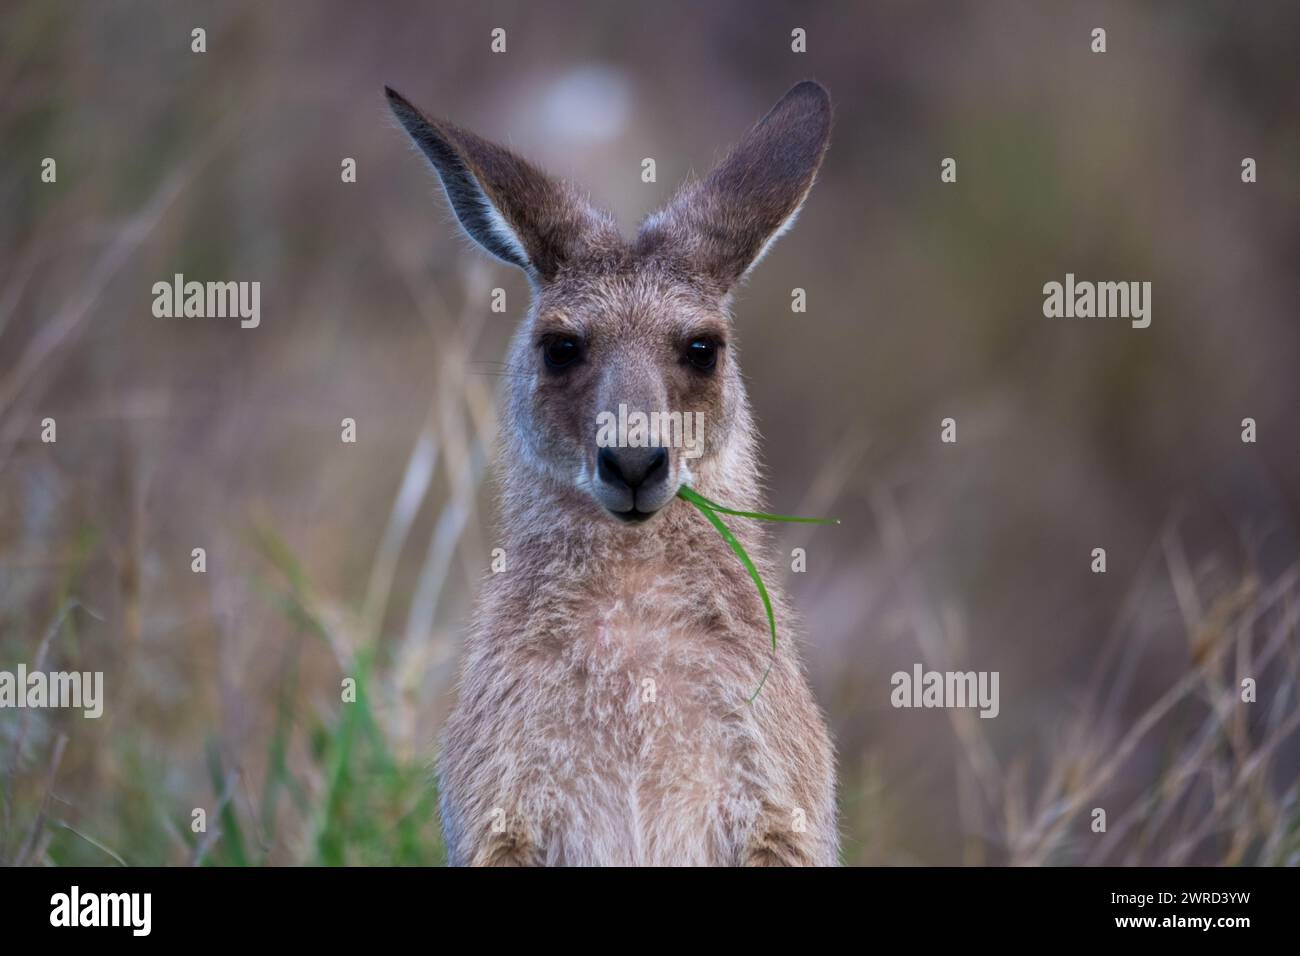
[232, 835]
[754, 696]
[739, 549]
[710, 510]
[736, 546]
[695, 498]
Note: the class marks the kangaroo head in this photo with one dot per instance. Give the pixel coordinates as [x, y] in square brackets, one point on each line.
[630, 332]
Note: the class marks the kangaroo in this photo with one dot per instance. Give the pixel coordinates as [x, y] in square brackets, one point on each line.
[602, 715]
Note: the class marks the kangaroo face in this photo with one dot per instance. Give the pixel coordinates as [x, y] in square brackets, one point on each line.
[624, 383]
[623, 380]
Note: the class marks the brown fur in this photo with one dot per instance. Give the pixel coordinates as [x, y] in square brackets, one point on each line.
[556, 753]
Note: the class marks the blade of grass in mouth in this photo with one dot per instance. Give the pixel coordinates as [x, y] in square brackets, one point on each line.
[695, 498]
[710, 511]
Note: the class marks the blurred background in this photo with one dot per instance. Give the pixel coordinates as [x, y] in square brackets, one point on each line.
[328, 560]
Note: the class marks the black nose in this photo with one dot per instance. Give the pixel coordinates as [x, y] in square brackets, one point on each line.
[632, 467]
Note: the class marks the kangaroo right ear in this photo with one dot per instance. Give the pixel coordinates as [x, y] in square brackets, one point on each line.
[508, 206]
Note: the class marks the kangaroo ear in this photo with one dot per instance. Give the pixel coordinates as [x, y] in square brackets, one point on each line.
[724, 224]
[505, 204]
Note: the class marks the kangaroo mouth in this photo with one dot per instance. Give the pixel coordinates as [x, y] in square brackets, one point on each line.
[633, 515]
[633, 505]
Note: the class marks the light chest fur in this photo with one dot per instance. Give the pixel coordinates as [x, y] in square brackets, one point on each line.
[629, 741]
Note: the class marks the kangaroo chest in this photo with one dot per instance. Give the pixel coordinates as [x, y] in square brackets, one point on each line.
[647, 740]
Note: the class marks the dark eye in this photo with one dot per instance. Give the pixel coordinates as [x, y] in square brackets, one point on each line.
[702, 354]
[560, 351]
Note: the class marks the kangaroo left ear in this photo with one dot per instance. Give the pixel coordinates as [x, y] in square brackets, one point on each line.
[504, 203]
[724, 224]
